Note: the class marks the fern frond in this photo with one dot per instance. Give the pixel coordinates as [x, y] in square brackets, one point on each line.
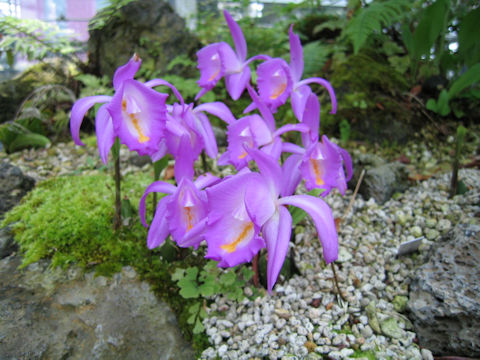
[371, 19]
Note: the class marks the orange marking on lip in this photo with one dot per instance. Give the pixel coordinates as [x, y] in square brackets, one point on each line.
[189, 218]
[141, 136]
[243, 155]
[233, 245]
[279, 91]
[214, 75]
[316, 170]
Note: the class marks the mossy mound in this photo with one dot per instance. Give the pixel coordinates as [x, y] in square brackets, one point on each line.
[372, 99]
[69, 219]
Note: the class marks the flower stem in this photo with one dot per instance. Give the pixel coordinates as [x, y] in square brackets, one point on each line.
[335, 280]
[117, 220]
[256, 281]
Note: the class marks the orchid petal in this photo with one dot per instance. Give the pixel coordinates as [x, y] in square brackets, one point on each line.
[259, 200]
[264, 111]
[160, 82]
[195, 236]
[291, 127]
[296, 55]
[217, 109]
[187, 207]
[184, 160]
[158, 232]
[291, 175]
[210, 65]
[138, 114]
[205, 131]
[237, 36]
[274, 149]
[79, 110]
[322, 218]
[292, 148]
[206, 180]
[105, 133]
[126, 72]
[277, 233]
[298, 98]
[311, 118]
[237, 82]
[269, 168]
[157, 186]
[326, 85]
[274, 82]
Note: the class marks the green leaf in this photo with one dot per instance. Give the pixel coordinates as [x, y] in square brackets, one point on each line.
[159, 165]
[188, 289]
[191, 273]
[315, 55]
[442, 103]
[430, 27]
[10, 58]
[468, 44]
[178, 274]
[27, 140]
[431, 105]
[468, 78]
[228, 278]
[198, 328]
[193, 309]
[207, 289]
[371, 19]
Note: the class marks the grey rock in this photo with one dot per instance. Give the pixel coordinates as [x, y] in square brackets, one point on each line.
[444, 301]
[149, 28]
[13, 186]
[381, 182]
[7, 244]
[44, 314]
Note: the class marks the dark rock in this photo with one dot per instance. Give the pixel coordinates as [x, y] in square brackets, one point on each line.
[13, 186]
[7, 244]
[55, 314]
[149, 28]
[444, 295]
[14, 91]
[381, 179]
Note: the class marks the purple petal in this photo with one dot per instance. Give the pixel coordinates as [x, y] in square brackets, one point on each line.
[270, 170]
[157, 186]
[274, 82]
[326, 85]
[187, 207]
[296, 55]
[219, 110]
[160, 82]
[292, 148]
[105, 133]
[291, 127]
[259, 200]
[237, 36]
[206, 180]
[291, 175]
[232, 242]
[139, 115]
[210, 65]
[79, 110]
[311, 118]
[277, 233]
[299, 98]
[322, 218]
[237, 82]
[159, 231]
[195, 236]
[264, 111]
[205, 131]
[184, 160]
[126, 72]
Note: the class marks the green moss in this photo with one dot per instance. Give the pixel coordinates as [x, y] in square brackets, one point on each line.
[69, 219]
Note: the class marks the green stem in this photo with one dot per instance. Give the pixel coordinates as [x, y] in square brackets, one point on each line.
[117, 219]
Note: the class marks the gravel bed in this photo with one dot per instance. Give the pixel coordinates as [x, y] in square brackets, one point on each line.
[304, 318]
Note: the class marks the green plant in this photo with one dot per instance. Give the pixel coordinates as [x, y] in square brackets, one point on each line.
[372, 19]
[210, 280]
[36, 40]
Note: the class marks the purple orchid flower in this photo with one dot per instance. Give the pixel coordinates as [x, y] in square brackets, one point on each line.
[182, 213]
[188, 132]
[245, 205]
[135, 114]
[255, 131]
[321, 164]
[277, 81]
[219, 60]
